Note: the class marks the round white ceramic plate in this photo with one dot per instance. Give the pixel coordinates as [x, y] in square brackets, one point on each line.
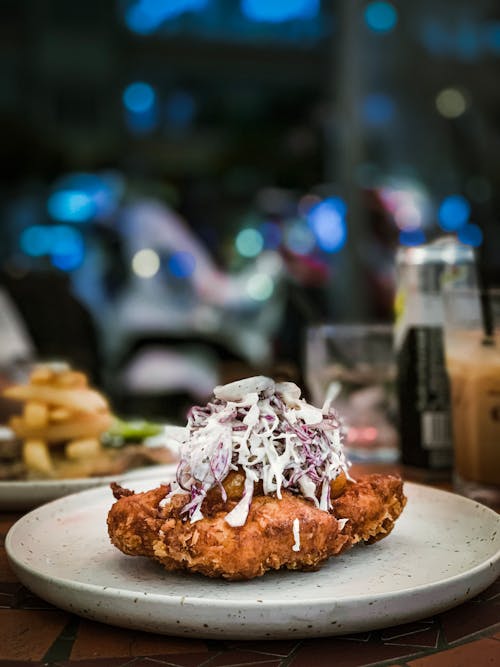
[443, 550]
[25, 494]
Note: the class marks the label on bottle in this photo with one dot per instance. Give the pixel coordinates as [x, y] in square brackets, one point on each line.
[424, 399]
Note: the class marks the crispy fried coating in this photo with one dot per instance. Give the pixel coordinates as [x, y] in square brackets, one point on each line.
[372, 504]
[139, 525]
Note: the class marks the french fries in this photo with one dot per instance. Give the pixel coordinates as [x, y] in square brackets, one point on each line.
[41, 375]
[76, 426]
[59, 410]
[59, 414]
[36, 457]
[35, 414]
[78, 400]
[82, 449]
[73, 379]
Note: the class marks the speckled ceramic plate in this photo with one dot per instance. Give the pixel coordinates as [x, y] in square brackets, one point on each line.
[25, 494]
[443, 550]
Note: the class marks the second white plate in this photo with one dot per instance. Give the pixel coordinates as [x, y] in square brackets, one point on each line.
[443, 550]
[26, 494]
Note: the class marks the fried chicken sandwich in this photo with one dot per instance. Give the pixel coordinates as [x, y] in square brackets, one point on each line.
[262, 484]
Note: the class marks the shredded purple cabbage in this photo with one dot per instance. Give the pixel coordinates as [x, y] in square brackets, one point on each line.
[270, 434]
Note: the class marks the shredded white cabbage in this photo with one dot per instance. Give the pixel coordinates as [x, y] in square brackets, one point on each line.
[296, 535]
[268, 432]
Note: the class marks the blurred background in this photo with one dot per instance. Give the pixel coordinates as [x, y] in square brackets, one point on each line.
[188, 184]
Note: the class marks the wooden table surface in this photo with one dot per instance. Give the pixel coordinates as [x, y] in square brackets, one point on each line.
[34, 633]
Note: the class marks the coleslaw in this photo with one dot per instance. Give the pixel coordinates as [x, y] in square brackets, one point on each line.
[268, 432]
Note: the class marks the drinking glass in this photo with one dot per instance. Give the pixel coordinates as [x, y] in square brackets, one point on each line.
[472, 353]
[352, 367]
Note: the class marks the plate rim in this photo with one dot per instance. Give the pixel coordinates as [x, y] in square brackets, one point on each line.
[6, 484]
[27, 495]
[129, 475]
[126, 594]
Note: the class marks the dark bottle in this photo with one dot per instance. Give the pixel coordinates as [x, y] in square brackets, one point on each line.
[422, 381]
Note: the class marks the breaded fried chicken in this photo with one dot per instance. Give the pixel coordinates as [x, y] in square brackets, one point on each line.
[290, 532]
[262, 484]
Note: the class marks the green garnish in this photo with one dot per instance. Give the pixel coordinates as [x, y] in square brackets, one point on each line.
[122, 432]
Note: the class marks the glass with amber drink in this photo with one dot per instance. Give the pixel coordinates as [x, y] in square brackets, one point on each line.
[472, 351]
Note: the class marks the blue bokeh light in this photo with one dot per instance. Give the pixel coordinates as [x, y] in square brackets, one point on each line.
[68, 262]
[63, 244]
[142, 123]
[80, 197]
[436, 38]
[492, 37]
[145, 16]
[181, 264]
[64, 239]
[67, 248]
[411, 237]
[141, 111]
[35, 241]
[278, 11]
[381, 17]
[453, 212]
[468, 42]
[71, 206]
[138, 21]
[465, 41]
[139, 97]
[378, 109]
[327, 221]
[470, 234]
[335, 203]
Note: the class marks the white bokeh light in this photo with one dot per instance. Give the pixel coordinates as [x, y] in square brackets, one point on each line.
[260, 287]
[451, 103]
[145, 263]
